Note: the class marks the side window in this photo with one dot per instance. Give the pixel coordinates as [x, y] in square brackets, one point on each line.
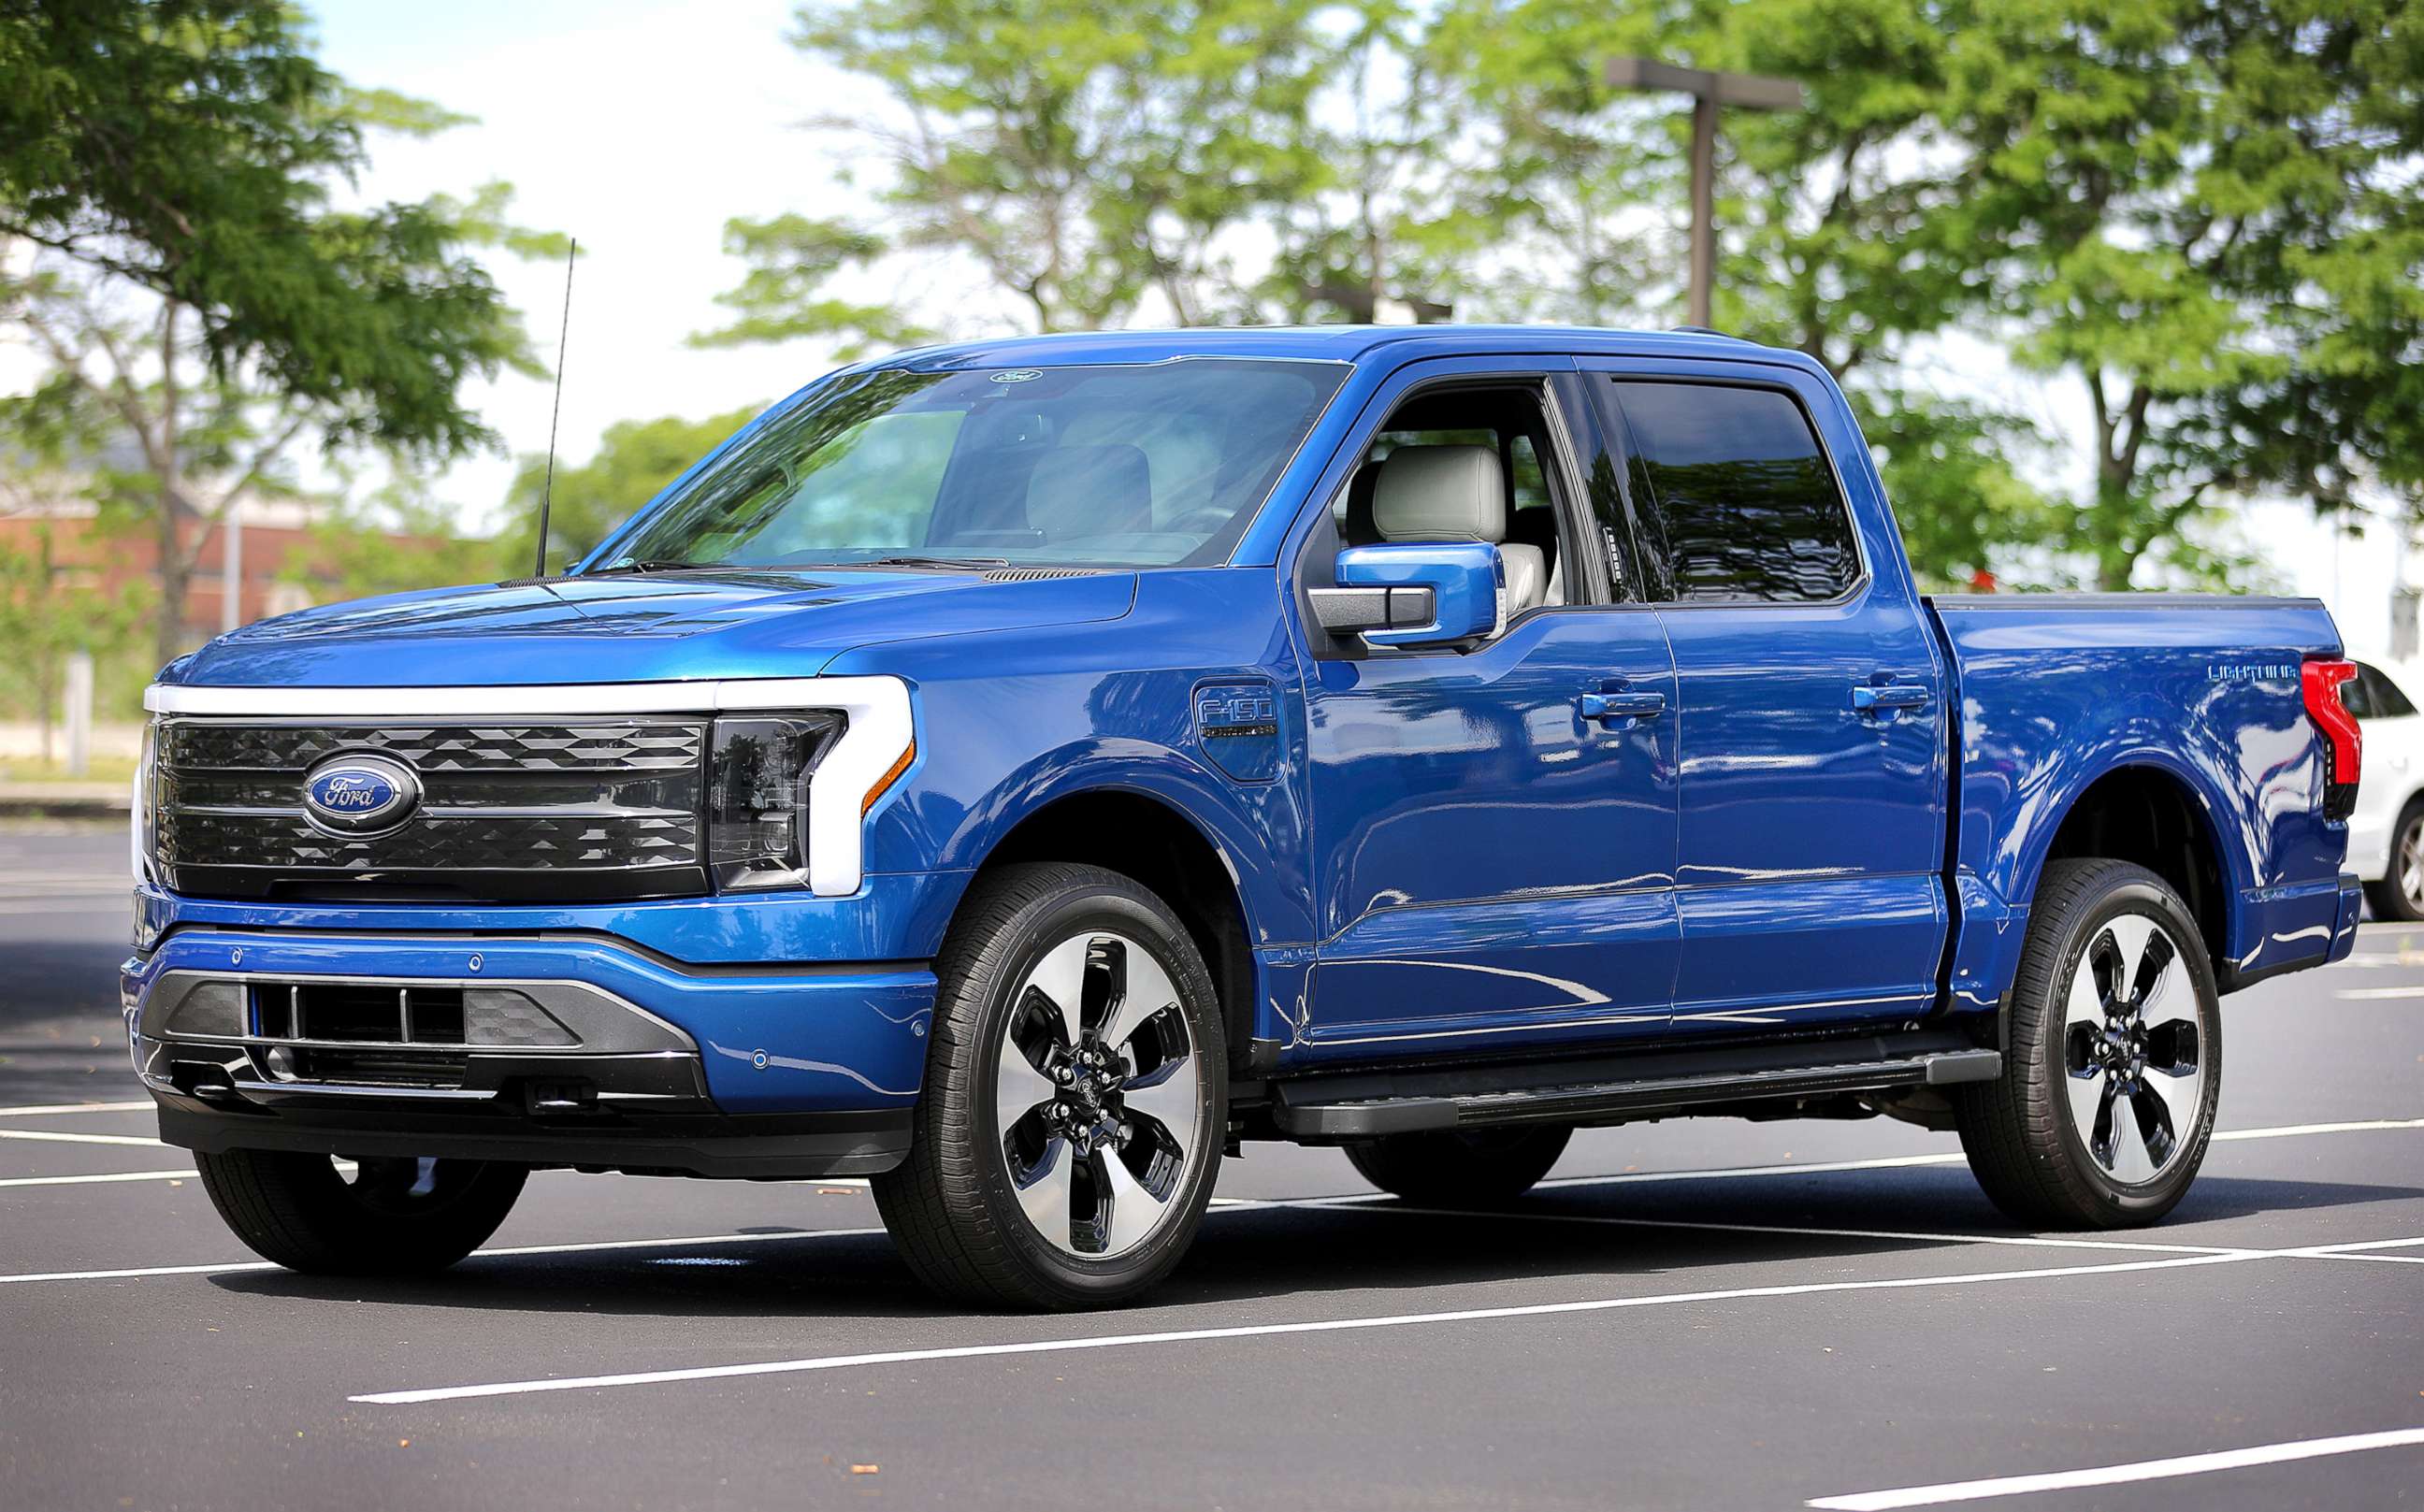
[1741, 503]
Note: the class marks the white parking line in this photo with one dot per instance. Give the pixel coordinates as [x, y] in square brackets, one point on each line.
[39, 1109]
[1951, 1157]
[97, 1178]
[64, 1137]
[592, 1247]
[1385, 1205]
[2145, 1470]
[2362, 994]
[1259, 1330]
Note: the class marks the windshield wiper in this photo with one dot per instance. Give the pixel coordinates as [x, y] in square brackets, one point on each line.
[651, 566]
[974, 564]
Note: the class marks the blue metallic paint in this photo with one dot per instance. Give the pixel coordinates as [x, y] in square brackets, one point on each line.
[833, 1041]
[1466, 578]
[1444, 855]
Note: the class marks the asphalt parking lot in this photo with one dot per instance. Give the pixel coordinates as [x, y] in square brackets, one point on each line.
[1700, 1314]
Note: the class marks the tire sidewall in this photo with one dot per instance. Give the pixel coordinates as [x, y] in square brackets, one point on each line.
[1108, 909]
[2137, 893]
[2393, 887]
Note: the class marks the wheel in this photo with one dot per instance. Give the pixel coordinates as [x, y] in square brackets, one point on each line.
[2401, 893]
[1076, 1098]
[387, 1217]
[1460, 1168]
[2105, 1102]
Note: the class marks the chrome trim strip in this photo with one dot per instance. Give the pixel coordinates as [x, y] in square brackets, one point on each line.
[466, 982]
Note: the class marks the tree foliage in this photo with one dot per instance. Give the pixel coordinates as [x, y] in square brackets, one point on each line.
[198, 298]
[633, 461]
[191, 148]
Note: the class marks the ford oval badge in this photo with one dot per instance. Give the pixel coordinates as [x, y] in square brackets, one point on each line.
[359, 795]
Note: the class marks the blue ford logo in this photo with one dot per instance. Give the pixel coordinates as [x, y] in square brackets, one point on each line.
[359, 795]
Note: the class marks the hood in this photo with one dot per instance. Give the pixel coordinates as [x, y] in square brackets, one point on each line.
[647, 627]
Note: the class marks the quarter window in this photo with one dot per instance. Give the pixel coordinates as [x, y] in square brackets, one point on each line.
[1741, 504]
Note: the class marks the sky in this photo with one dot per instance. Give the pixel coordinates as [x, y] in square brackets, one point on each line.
[640, 126]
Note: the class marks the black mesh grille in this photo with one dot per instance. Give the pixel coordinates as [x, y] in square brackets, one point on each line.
[566, 809]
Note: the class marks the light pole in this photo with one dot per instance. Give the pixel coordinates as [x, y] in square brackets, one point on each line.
[1709, 89]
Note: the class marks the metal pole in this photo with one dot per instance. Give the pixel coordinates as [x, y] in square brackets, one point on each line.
[1704, 206]
[231, 566]
[79, 713]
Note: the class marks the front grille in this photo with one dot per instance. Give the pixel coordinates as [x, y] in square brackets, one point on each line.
[562, 810]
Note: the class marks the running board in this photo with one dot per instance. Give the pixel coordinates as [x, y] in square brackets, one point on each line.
[1319, 1109]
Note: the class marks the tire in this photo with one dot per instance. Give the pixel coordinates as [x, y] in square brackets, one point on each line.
[1459, 1168]
[2399, 896]
[392, 1217]
[1002, 1205]
[2105, 1106]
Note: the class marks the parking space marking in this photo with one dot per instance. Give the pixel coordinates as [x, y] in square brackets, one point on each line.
[95, 1178]
[2145, 1470]
[1259, 1330]
[1951, 1157]
[41, 1109]
[1385, 1205]
[66, 1136]
[590, 1247]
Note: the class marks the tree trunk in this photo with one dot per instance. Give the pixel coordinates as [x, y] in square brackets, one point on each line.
[168, 641]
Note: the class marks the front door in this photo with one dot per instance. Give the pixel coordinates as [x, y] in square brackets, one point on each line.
[1810, 845]
[1494, 838]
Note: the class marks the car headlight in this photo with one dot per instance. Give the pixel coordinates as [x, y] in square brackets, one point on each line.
[758, 771]
[144, 822]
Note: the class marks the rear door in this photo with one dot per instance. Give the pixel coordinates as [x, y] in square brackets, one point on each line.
[1811, 718]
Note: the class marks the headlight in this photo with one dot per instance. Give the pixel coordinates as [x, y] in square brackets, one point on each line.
[757, 797]
[143, 823]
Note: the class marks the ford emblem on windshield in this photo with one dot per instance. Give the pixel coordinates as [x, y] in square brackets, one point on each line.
[359, 795]
[1016, 376]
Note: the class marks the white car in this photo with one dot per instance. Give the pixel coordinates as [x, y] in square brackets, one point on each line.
[2386, 832]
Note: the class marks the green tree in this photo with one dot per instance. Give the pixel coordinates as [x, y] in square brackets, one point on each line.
[398, 538]
[218, 321]
[51, 610]
[2210, 205]
[1076, 160]
[190, 148]
[634, 460]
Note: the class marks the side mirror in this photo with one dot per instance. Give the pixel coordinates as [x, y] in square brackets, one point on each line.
[1414, 593]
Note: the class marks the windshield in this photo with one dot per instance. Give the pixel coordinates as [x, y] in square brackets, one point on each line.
[1134, 464]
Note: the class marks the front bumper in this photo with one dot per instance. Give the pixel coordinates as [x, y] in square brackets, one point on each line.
[761, 1070]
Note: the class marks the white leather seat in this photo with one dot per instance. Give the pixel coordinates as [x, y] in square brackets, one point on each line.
[1455, 493]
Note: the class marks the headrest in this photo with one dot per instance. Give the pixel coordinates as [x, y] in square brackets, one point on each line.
[1441, 493]
[1089, 490]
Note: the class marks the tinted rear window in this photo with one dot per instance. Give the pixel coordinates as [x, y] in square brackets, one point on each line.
[1742, 504]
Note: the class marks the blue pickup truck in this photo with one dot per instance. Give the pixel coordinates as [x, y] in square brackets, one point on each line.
[1022, 772]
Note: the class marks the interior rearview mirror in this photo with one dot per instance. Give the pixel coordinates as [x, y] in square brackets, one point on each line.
[1414, 593]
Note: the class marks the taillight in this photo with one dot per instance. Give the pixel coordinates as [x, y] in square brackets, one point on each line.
[2343, 742]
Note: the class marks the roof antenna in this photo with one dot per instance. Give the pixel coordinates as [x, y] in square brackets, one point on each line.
[562, 333]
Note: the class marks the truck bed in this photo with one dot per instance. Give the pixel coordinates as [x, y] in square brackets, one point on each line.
[2190, 695]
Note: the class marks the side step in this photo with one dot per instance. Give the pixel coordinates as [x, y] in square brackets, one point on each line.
[1323, 1109]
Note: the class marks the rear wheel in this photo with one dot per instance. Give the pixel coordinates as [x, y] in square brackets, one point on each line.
[1076, 1096]
[2399, 895]
[2105, 1106]
[385, 1216]
[1460, 1168]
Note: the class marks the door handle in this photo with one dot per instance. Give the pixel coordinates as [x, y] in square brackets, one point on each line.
[1868, 698]
[1624, 706]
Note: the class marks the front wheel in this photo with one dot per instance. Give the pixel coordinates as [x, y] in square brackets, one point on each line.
[384, 1217]
[1076, 1096]
[2106, 1103]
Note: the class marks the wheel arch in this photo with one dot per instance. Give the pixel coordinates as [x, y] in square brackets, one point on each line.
[2159, 815]
[1146, 835]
